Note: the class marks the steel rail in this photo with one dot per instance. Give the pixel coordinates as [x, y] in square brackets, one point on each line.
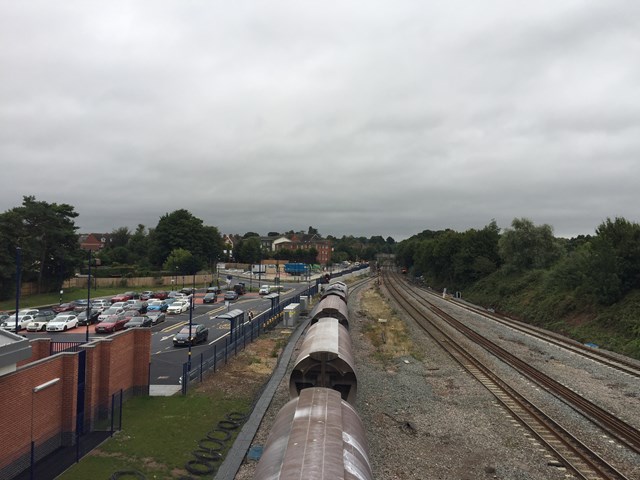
[574, 454]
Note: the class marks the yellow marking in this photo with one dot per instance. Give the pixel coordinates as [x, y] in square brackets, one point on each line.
[173, 327]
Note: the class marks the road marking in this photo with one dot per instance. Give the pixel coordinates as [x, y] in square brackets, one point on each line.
[173, 327]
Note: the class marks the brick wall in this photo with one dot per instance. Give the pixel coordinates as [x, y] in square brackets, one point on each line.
[117, 362]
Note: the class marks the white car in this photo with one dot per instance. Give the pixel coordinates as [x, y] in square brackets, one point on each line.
[100, 303]
[23, 321]
[62, 322]
[178, 307]
[37, 324]
[110, 311]
[264, 290]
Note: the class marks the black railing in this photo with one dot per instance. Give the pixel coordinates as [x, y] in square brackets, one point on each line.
[218, 354]
[59, 347]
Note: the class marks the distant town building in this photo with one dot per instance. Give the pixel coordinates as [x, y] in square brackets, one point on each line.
[305, 241]
[94, 241]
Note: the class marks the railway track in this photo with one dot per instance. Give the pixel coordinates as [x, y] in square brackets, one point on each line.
[627, 366]
[574, 454]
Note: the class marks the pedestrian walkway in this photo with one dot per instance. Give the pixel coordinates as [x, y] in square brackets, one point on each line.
[164, 390]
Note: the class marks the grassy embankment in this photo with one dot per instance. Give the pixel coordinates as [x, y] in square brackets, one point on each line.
[527, 297]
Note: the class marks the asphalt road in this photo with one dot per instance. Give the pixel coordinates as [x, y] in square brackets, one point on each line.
[167, 360]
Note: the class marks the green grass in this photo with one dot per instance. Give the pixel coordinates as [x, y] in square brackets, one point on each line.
[158, 436]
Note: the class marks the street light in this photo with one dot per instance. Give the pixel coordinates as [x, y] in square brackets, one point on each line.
[18, 283]
[88, 298]
[35, 390]
[190, 341]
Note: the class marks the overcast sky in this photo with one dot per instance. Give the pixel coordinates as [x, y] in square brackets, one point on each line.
[354, 117]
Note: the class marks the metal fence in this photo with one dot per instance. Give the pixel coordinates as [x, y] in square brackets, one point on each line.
[46, 458]
[59, 347]
[228, 346]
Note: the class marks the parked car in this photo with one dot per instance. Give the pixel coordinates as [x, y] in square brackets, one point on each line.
[113, 323]
[209, 298]
[157, 306]
[214, 289]
[119, 305]
[230, 295]
[94, 313]
[178, 307]
[264, 290]
[137, 305]
[62, 322]
[188, 290]
[40, 321]
[64, 307]
[23, 321]
[193, 334]
[110, 311]
[139, 321]
[80, 305]
[161, 295]
[146, 295]
[132, 313]
[100, 303]
[123, 297]
[157, 317]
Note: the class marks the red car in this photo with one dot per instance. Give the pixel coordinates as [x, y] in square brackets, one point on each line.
[123, 297]
[64, 307]
[113, 323]
[161, 295]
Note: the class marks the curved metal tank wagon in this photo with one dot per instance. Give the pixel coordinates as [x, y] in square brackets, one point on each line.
[325, 360]
[316, 436]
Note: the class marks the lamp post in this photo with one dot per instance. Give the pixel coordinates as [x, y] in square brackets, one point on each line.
[18, 283]
[88, 299]
[35, 390]
[190, 341]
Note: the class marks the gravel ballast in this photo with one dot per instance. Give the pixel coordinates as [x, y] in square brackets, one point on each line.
[428, 418]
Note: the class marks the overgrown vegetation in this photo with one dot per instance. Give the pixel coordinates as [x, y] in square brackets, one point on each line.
[587, 287]
[386, 332]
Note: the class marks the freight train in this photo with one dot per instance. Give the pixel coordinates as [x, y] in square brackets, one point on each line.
[318, 434]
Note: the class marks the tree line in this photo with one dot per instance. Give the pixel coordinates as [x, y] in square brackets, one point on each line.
[599, 269]
[42, 239]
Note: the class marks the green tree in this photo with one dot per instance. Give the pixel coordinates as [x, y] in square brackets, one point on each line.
[181, 230]
[138, 246]
[250, 250]
[46, 234]
[119, 237]
[621, 239]
[526, 247]
[182, 262]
